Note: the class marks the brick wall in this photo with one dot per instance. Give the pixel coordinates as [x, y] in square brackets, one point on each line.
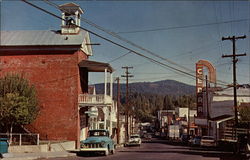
[57, 80]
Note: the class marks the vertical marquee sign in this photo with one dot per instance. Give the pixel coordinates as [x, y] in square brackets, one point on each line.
[199, 77]
[199, 86]
[200, 83]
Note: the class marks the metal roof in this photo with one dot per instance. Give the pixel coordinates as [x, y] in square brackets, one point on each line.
[229, 92]
[69, 7]
[40, 38]
[93, 66]
[222, 118]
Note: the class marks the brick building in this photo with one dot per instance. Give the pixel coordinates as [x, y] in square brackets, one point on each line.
[56, 62]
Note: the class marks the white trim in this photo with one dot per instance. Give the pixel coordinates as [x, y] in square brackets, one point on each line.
[105, 84]
[223, 120]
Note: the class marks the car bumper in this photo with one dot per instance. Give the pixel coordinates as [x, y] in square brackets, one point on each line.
[208, 144]
[93, 149]
[133, 143]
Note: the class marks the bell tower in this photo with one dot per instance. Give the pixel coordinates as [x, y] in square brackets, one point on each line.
[71, 13]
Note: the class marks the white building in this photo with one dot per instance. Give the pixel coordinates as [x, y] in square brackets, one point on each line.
[221, 109]
[184, 117]
[101, 107]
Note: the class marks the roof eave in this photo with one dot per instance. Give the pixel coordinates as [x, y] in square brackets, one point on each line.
[94, 66]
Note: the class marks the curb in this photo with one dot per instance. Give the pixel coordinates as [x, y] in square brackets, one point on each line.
[33, 156]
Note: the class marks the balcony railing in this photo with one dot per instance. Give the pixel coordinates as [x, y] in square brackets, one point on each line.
[100, 99]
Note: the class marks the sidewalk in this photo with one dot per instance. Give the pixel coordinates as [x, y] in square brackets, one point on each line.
[41, 155]
[32, 156]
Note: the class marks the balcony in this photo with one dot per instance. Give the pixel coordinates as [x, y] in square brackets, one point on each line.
[94, 100]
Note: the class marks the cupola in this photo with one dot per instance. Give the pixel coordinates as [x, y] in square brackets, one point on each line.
[71, 15]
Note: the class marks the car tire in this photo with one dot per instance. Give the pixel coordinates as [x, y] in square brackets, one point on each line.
[106, 152]
[113, 151]
[79, 154]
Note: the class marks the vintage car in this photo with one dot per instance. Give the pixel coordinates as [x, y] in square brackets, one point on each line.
[98, 141]
[207, 141]
[195, 141]
[134, 140]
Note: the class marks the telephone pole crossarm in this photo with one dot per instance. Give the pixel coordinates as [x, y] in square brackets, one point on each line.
[238, 55]
[233, 38]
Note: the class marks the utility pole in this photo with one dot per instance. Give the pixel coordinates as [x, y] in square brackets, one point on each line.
[127, 75]
[188, 129]
[118, 110]
[207, 107]
[234, 55]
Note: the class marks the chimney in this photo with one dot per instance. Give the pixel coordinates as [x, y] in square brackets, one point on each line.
[71, 13]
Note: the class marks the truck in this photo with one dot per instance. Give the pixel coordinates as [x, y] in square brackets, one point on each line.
[98, 141]
[174, 131]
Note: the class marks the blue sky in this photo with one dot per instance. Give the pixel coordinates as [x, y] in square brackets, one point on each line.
[177, 42]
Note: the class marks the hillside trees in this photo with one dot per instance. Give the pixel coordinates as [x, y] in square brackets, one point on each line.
[18, 102]
[146, 105]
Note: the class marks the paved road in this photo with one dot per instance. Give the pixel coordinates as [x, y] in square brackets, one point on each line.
[158, 150]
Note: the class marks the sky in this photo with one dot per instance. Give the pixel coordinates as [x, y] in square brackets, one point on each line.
[183, 32]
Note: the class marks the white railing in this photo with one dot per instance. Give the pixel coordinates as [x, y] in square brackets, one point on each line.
[22, 138]
[94, 99]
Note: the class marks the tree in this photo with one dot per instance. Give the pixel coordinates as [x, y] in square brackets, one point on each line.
[244, 114]
[18, 102]
[146, 105]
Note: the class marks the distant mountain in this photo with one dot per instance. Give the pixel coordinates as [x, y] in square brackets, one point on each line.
[165, 87]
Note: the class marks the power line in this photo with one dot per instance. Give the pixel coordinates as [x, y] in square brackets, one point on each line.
[217, 26]
[135, 45]
[115, 43]
[181, 27]
[227, 73]
[127, 41]
[155, 78]
[120, 45]
[193, 53]
[148, 73]
[123, 39]
[118, 57]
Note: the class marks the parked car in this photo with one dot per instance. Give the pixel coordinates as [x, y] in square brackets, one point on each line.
[157, 134]
[208, 141]
[195, 141]
[98, 141]
[147, 137]
[248, 151]
[185, 138]
[134, 140]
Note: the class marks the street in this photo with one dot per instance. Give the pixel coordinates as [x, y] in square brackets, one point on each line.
[157, 150]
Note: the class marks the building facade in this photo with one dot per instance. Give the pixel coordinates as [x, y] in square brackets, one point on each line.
[56, 63]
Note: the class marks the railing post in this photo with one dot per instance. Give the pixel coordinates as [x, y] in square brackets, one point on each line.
[38, 141]
[105, 84]
[105, 117]
[110, 121]
[111, 85]
[20, 139]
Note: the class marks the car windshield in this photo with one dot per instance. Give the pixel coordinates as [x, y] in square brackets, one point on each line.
[97, 133]
[208, 138]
